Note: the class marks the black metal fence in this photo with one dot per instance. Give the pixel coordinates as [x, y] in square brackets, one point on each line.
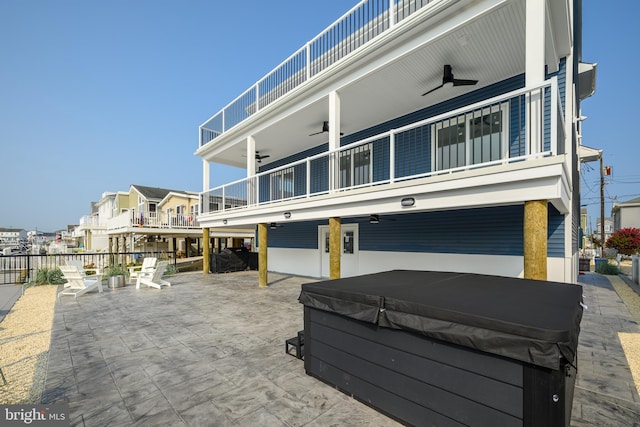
[17, 269]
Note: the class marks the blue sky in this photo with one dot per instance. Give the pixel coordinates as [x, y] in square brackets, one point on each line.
[96, 96]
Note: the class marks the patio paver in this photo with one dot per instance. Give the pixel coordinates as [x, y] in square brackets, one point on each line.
[209, 350]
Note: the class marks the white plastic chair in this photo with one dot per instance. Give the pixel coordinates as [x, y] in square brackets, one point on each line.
[153, 278]
[77, 284]
[97, 274]
[148, 264]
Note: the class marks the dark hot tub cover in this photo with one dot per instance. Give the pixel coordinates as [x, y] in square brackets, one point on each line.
[528, 320]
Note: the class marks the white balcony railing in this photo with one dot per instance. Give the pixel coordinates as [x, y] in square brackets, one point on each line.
[357, 27]
[515, 127]
[91, 221]
[152, 220]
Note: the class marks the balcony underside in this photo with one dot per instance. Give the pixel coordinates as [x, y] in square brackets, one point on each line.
[538, 179]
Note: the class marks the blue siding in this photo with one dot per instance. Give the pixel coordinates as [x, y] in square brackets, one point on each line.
[413, 152]
[488, 231]
[517, 133]
[295, 235]
[381, 170]
[483, 231]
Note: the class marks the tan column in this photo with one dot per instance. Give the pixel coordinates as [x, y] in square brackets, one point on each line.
[262, 254]
[335, 231]
[535, 239]
[205, 251]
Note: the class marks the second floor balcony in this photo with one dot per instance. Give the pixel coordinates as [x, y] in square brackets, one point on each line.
[152, 220]
[510, 130]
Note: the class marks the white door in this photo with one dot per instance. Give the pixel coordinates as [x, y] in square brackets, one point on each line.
[348, 250]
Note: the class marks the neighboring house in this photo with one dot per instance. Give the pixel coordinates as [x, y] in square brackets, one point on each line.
[626, 214]
[150, 219]
[144, 226]
[608, 228]
[12, 236]
[434, 135]
[91, 233]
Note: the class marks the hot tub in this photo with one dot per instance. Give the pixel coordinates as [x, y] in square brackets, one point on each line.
[447, 349]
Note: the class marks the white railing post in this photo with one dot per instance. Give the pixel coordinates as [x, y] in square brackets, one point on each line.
[392, 15]
[257, 97]
[554, 116]
[224, 188]
[392, 156]
[308, 177]
[308, 53]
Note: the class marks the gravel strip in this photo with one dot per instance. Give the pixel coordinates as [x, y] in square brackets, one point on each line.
[25, 337]
[630, 342]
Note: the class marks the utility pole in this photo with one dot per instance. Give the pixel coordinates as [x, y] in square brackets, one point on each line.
[601, 207]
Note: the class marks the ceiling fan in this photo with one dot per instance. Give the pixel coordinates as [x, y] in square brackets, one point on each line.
[448, 80]
[260, 157]
[325, 128]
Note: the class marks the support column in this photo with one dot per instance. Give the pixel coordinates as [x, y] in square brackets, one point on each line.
[335, 234]
[262, 255]
[205, 251]
[206, 171]
[535, 239]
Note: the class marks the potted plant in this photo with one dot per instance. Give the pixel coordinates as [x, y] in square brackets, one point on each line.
[116, 276]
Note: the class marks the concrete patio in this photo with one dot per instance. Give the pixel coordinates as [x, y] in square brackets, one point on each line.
[209, 351]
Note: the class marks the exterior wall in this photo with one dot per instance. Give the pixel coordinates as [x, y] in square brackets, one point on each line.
[486, 240]
[300, 262]
[627, 217]
[174, 201]
[123, 202]
[484, 231]
[132, 202]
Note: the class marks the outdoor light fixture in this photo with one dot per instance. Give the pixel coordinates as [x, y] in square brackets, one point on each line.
[407, 202]
[374, 219]
[273, 226]
[224, 221]
[287, 215]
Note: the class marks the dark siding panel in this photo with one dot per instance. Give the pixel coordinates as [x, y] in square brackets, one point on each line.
[483, 231]
[295, 157]
[297, 235]
[413, 152]
[556, 233]
[490, 231]
[381, 160]
[517, 134]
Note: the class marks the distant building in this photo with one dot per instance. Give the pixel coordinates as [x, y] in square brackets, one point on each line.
[608, 228]
[12, 236]
[626, 214]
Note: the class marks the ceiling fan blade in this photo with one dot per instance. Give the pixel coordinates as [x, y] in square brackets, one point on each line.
[463, 82]
[317, 133]
[433, 90]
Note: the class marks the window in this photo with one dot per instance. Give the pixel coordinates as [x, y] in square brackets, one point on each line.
[282, 184]
[355, 166]
[473, 138]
